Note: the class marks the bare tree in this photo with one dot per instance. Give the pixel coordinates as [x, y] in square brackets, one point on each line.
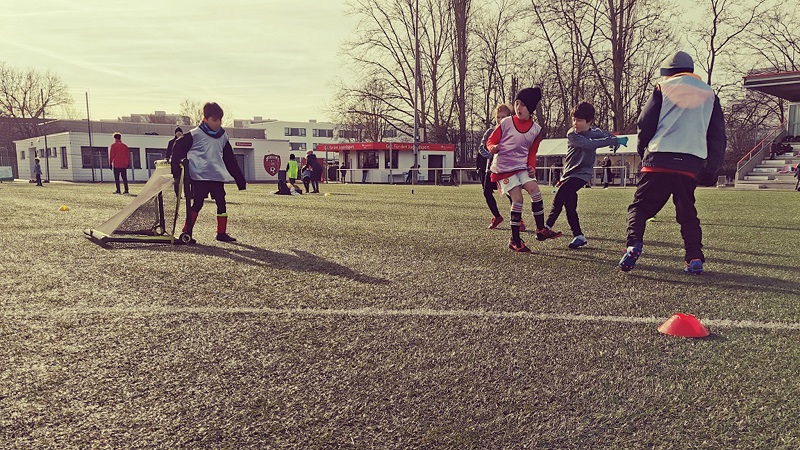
[726, 30]
[30, 94]
[461, 15]
[191, 109]
[491, 30]
[364, 110]
[773, 40]
[384, 49]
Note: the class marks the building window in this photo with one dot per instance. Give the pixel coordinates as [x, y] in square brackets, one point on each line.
[323, 133]
[348, 134]
[22, 154]
[294, 131]
[94, 157]
[367, 160]
[390, 159]
[64, 162]
[297, 146]
[154, 154]
[136, 158]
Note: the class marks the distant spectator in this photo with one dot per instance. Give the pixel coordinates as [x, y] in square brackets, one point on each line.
[292, 172]
[411, 173]
[120, 158]
[306, 178]
[606, 172]
[171, 143]
[797, 175]
[314, 165]
[37, 172]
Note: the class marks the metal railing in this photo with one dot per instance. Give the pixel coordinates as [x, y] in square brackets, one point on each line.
[456, 176]
[756, 153]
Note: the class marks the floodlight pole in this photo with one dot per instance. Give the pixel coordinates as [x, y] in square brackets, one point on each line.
[46, 149]
[416, 96]
[91, 148]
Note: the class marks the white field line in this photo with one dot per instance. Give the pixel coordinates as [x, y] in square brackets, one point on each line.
[377, 312]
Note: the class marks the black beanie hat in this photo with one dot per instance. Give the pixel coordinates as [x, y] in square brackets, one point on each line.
[530, 97]
[178, 129]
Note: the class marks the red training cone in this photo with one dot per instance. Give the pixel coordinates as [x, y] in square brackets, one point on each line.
[684, 325]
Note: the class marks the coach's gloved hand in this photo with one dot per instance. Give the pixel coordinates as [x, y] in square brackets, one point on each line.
[707, 178]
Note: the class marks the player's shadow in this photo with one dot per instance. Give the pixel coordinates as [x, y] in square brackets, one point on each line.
[755, 227]
[298, 261]
[679, 246]
[726, 280]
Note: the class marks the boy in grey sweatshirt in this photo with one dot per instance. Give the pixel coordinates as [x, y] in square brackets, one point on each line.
[583, 140]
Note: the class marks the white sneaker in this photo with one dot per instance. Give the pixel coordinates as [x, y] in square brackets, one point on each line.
[578, 241]
[294, 192]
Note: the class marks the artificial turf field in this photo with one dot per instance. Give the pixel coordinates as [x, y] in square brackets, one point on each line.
[374, 318]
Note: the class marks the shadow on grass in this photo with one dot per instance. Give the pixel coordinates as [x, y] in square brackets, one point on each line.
[712, 278]
[722, 280]
[754, 227]
[679, 246]
[300, 261]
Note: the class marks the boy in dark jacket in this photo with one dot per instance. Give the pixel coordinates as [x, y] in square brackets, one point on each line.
[583, 140]
[210, 164]
[682, 144]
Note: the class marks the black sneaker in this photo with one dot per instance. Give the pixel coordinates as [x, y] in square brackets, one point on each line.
[518, 247]
[225, 237]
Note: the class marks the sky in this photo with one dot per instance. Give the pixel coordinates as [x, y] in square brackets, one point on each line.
[272, 58]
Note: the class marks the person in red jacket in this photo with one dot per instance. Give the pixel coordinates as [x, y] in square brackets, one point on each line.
[120, 158]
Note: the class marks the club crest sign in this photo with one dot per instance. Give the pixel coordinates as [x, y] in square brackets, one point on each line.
[272, 164]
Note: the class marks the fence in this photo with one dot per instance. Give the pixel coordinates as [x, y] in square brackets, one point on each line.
[456, 176]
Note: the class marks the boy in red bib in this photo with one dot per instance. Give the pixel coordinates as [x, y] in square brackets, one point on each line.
[514, 143]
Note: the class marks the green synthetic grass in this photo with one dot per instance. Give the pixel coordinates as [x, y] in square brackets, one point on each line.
[405, 337]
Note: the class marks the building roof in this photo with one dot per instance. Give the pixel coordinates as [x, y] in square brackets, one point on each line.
[785, 85]
[130, 128]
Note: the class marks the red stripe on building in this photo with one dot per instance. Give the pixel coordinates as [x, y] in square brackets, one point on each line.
[372, 146]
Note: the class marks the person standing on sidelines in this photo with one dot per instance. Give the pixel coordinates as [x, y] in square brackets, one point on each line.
[606, 172]
[120, 158]
[316, 170]
[171, 143]
[37, 172]
[682, 145]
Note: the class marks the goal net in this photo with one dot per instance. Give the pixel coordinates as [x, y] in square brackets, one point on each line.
[150, 217]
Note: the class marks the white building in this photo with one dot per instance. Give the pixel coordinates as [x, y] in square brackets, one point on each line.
[71, 153]
[390, 162]
[302, 136]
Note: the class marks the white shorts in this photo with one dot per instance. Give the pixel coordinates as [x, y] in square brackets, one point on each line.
[518, 179]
